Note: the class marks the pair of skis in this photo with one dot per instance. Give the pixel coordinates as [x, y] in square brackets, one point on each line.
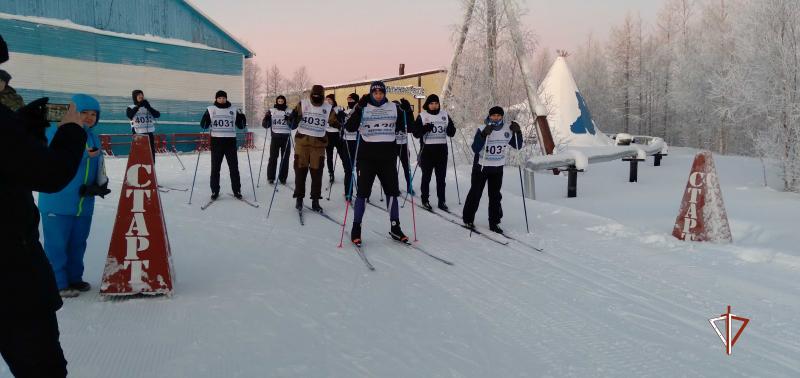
[502, 239]
[212, 201]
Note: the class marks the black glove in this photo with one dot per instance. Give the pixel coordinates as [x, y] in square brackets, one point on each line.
[487, 130]
[515, 127]
[34, 117]
[363, 101]
[144, 104]
[428, 127]
[94, 190]
[405, 105]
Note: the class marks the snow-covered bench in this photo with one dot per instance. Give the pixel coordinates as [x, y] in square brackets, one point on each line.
[577, 159]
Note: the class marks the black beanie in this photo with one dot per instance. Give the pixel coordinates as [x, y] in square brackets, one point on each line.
[5, 76]
[496, 110]
[3, 50]
[430, 99]
[377, 85]
[333, 98]
[135, 93]
[283, 106]
[353, 96]
[221, 93]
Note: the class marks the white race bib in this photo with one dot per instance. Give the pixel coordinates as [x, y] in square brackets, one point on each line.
[496, 148]
[223, 121]
[315, 119]
[279, 123]
[378, 123]
[439, 133]
[143, 122]
[330, 128]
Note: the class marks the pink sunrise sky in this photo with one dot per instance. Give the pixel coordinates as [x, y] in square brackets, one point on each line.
[347, 40]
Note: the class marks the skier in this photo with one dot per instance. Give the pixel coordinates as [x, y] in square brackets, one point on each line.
[28, 324]
[491, 149]
[401, 138]
[310, 117]
[67, 215]
[432, 127]
[377, 120]
[276, 120]
[223, 119]
[143, 118]
[8, 95]
[347, 145]
[333, 134]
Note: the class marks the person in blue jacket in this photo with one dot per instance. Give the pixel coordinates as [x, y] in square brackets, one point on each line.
[67, 215]
[491, 145]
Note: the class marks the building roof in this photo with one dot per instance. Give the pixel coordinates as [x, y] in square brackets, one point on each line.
[367, 82]
[249, 52]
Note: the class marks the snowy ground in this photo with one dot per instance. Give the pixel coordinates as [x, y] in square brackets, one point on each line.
[613, 294]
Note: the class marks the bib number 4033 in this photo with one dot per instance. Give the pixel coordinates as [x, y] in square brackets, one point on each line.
[313, 121]
[495, 150]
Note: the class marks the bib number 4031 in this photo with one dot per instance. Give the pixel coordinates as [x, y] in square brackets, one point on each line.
[222, 123]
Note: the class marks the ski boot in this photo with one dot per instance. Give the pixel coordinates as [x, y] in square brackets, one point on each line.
[271, 181]
[496, 228]
[427, 205]
[315, 206]
[443, 206]
[299, 204]
[396, 233]
[355, 234]
[238, 195]
[469, 225]
[214, 196]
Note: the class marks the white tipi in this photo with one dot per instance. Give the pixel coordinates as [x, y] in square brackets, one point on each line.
[567, 113]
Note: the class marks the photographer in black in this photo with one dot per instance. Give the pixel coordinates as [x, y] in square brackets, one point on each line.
[28, 303]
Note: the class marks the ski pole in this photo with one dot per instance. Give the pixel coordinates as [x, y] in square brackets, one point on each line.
[455, 171]
[199, 150]
[350, 190]
[261, 164]
[250, 166]
[413, 175]
[175, 152]
[330, 186]
[524, 205]
[411, 185]
[286, 150]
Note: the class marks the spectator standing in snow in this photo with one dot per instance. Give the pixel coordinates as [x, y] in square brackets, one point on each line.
[223, 119]
[276, 119]
[433, 126]
[8, 95]
[28, 325]
[143, 118]
[491, 146]
[311, 117]
[377, 120]
[67, 215]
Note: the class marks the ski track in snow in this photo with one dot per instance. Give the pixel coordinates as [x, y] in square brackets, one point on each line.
[612, 295]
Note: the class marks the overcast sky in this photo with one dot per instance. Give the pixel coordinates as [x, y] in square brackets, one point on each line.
[346, 40]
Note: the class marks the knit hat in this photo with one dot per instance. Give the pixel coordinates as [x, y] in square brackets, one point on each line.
[317, 95]
[135, 93]
[221, 93]
[333, 99]
[280, 107]
[85, 102]
[496, 110]
[430, 99]
[377, 85]
[5, 76]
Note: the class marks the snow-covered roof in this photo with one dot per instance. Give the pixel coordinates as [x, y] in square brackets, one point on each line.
[67, 24]
[218, 26]
[369, 81]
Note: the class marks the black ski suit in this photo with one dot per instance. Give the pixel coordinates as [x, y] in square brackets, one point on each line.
[278, 146]
[226, 148]
[29, 300]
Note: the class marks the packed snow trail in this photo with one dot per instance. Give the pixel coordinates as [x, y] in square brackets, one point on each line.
[613, 294]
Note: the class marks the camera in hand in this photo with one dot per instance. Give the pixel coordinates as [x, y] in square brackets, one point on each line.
[55, 112]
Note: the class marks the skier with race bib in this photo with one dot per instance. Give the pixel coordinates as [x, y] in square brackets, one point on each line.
[276, 119]
[491, 146]
[377, 120]
[432, 127]
[311, 117]
[333, 136]
[223, 119]
[143, 118]
[347, 145]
